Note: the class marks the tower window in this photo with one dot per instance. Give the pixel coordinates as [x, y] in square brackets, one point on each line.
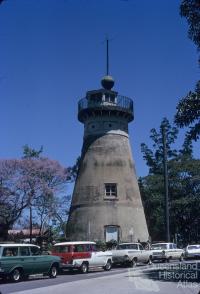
[111, 190]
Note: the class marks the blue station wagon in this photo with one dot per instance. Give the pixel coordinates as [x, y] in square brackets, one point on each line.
[18, 261]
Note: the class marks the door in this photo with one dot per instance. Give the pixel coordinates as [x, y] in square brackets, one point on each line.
[144, 254]
[26, 260]
[41, 263]
[111, 233]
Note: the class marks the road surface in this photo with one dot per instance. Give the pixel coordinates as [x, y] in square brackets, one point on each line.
[172, 278]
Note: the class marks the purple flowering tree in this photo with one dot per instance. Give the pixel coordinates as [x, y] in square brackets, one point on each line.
[26, 182]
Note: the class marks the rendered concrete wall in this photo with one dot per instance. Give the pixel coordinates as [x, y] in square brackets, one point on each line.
[106, 158]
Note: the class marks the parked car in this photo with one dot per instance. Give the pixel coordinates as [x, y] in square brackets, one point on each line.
[166, 251]
[82, 255]
[192, 251]
[18, 261]
[131, 254]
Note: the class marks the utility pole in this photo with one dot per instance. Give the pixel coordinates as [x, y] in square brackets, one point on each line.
[31, 222]
[166, 184]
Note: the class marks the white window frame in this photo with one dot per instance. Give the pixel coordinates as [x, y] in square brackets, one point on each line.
[110, 190]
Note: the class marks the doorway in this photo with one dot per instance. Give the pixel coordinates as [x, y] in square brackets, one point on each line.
[112, 233]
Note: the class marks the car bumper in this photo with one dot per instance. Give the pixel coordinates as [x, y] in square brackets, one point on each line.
[159, 257]
[119, 259]
[3, 274]
[66, 266]
[192, 255]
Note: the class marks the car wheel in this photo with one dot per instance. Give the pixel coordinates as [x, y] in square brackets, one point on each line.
[16, 275]
[168, 259]
[53, 272]
[181, 257]
[84, 268]
[108, 265]
[133, 262]
[150, 260]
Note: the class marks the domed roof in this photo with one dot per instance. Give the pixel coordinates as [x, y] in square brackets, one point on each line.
[107, 82]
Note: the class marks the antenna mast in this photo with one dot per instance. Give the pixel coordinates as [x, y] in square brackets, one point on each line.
[107, 56]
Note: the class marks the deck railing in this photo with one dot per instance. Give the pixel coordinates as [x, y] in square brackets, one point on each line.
[122, 102]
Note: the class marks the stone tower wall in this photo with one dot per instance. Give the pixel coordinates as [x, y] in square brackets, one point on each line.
[106, 158]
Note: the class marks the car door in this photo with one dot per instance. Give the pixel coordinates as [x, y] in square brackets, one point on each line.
[177, 252]
[142, 255]
[98, 258]
[41, 262]
[26, 260]
[172, 251]
[80, 253]
[133, 251]
[9, 258]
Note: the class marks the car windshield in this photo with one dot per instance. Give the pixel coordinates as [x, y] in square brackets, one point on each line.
[193, 247]
[127, 246]
[158, 246]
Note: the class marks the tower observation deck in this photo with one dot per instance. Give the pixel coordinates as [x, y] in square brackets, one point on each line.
[100, 101]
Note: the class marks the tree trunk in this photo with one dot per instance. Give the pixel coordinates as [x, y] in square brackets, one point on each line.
[4, 232]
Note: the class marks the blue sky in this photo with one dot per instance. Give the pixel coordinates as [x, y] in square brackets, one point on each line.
[53, 51]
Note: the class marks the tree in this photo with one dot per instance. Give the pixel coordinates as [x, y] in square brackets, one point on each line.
[184, 188]
[31, 153]
[73, 170]
[154, 159]
[13, 194]
[23, 182]
[190, 9]
[188, 114]
[152, 186]
[52, 210]
[188, 109]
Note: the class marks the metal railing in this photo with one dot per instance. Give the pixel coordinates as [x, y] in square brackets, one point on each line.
[125, 103]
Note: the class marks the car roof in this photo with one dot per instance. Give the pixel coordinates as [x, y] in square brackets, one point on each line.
[162, 243]
[74, 243]
[129, 243]
[16, 245]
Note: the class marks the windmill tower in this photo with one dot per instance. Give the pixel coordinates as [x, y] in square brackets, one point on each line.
[106, 202]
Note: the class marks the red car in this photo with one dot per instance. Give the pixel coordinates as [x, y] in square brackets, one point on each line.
[82, 255]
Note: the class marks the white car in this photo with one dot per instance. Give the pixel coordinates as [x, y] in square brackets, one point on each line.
[166, 252]
[192, 251]
[131, 254]
[82, 255]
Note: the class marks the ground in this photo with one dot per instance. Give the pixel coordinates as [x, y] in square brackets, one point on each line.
[159, 278]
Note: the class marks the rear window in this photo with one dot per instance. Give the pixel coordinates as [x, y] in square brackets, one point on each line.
[10, 251]
[61, 249]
